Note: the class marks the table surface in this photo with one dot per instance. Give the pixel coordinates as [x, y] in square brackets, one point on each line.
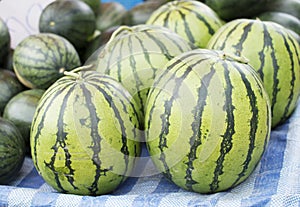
[275, 182]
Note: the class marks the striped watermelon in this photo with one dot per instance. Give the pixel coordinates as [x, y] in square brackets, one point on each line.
[12, 151]
[41, 59]
[193, 20]
[273, 52]
[208, 121]
[84, 138]
[134, 54]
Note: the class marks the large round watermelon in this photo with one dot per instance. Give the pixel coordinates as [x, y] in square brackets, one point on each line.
[208, 121]
[84, 135]
[274, 54]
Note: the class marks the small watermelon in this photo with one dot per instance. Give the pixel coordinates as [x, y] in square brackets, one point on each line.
[208, 121]
[41, 59]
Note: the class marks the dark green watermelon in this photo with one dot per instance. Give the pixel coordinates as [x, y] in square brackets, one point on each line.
[4, 44]
[74, 20]
[12, 151]
[9, 85]
[20, 110]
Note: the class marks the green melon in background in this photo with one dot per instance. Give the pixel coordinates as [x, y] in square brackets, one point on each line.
[134, 55]
[74, 20]
[10, 86]
[208, 121]
[274, 54]
[40, 59]
[110, 14]
[4, 44]
[286, 20]
[234, 9]
[12, 151]
[193, 20]
[84, 136]
[20, 110]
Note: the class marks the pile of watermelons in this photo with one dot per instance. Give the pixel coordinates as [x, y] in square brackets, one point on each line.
[200, 83]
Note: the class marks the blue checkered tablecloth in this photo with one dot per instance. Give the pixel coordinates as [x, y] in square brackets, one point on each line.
[275, 182]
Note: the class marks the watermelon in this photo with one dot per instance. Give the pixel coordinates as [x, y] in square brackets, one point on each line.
[84, 135]
[12, 151]
[208, 121]
[10, 86]
[74, 20]
[134, 54]
[193, 20]
[275, 56]
[41, 59]
[234, 9]
[4, 44]
[287, 20]
[140, 13]
[291, 7]
[20, 110]
[110, 14]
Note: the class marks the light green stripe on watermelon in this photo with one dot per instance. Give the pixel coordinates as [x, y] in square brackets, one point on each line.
[91, 146]
[274, 54]
[207, 121]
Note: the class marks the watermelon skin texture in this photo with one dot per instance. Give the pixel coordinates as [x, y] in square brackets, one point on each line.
[274, 54]
[193, 20]
[84, 137]
[208, 121]
[135, 54]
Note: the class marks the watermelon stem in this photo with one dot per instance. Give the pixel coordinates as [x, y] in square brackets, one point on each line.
[118, 31]
[240, 58]
[74, 73]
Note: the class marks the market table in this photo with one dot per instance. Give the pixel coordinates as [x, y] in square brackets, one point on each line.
[275, 182]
